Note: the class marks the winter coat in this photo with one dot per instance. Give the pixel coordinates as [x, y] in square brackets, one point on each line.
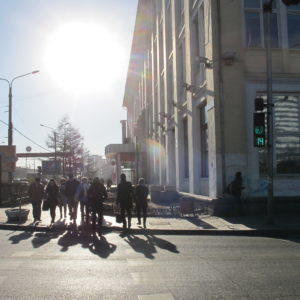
[71, 188]
[237, 187]
[82, 192]
[141, 194]
[36, 192]
[52, 195]
[96, 195]
[124, 194]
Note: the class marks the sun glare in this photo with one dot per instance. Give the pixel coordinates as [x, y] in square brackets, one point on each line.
[83, 58]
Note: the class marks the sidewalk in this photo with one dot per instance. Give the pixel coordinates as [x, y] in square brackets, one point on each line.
[203, 224]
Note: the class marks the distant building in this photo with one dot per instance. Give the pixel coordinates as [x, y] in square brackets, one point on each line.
[195, 68]
[123, 157]
[98, 166]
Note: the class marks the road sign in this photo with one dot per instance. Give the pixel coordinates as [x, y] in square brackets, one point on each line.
[51, 167]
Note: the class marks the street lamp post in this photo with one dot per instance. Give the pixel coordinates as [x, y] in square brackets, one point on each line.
[55, 137]
[10, 124]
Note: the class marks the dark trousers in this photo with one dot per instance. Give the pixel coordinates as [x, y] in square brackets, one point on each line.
[240, 205]
[36, 210]
[128, 210]
[143, 208]
[73, 206]
[52, 212]
[97, 210]
[61, 206]
[84, 209]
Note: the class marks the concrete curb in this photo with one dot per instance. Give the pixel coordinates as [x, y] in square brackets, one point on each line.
[213, 232]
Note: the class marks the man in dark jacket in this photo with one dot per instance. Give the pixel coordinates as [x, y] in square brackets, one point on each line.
[236, 189]
[141, 195]
[71, 188]
[124, 199]
[36, 193]
[96, 195]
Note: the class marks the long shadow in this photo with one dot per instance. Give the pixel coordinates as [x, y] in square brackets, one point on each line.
[16, 239]
[94, 241]
[200, 223]
[145, 247]
[42, 238]
[101, 247]
[148, 246]
[161, 243]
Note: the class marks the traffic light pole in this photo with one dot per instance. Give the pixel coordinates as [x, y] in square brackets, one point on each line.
[270, 127]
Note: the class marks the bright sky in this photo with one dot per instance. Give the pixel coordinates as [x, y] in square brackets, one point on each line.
[81, 48]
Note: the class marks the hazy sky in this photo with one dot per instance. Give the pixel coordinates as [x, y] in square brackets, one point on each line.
[27, 28]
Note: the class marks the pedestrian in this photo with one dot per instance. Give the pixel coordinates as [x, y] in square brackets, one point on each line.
[82, 195]
[236, 190]
[71, 188]
[96, 195]
[124, 199]
[108, 184]
[141, 200]
[36, 193]
[52, 198]
[62, 198]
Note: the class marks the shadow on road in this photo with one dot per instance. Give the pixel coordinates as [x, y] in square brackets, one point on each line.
[42, 238]
[148, 246]
[95, 242]
[200, 223]
[16, 239]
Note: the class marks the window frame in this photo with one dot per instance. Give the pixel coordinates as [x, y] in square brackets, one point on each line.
[277, 11]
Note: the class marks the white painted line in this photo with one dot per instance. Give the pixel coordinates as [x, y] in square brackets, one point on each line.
[9, 265]
[139, 262]
[167, 296]
[22, 254]
[146, 277]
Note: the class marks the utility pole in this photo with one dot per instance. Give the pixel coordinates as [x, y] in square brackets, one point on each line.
[270, 149]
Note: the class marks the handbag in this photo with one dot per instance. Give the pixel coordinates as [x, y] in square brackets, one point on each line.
[45, 206]
[119, 218]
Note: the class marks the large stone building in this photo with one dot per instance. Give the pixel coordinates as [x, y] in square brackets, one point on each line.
[196, 67]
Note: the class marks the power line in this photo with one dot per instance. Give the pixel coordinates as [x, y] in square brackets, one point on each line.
[29, 139]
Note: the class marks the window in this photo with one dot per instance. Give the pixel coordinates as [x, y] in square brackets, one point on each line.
[254, 19]
[204, 141]
[181, 70]
[186, 147]
[293, 26]
[170, 89]
[199, 46]
[179, 15]
[286, 136]
[169, 34]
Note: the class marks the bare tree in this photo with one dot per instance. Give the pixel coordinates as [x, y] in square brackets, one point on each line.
[69, 145]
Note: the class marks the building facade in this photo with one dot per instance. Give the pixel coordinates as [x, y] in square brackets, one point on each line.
[196, 67]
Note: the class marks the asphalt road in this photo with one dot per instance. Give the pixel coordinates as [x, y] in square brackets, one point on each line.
[76, 265]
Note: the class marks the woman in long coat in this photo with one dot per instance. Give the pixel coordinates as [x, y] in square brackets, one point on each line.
[52, 198]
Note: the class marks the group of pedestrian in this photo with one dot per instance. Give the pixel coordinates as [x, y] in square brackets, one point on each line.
[125, 197]
[90, 196]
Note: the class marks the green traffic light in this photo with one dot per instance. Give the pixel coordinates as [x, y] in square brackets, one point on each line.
[259, 130]
[260, 141]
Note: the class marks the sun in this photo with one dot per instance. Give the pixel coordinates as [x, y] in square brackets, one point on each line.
[83, 57]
